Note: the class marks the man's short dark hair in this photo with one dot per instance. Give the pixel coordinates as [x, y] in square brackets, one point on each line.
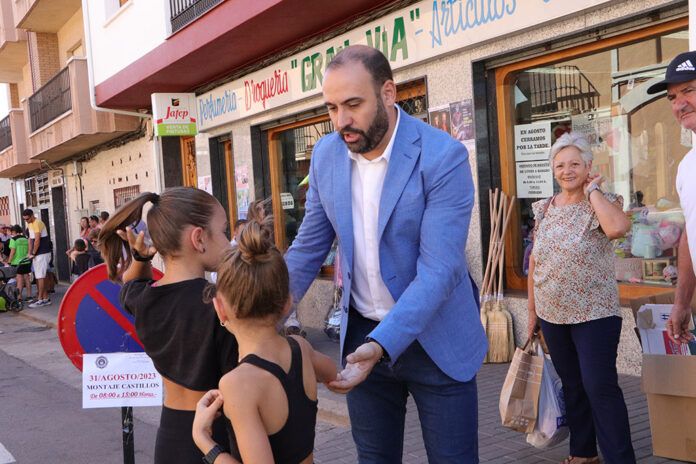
[104, 216]
[17, 229]
[372, 59]
[27, 212]
[94, 218]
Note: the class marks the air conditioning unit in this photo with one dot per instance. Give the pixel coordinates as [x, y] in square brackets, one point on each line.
[55, 178]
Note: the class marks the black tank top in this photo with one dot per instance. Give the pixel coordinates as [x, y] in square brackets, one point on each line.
[295, 441]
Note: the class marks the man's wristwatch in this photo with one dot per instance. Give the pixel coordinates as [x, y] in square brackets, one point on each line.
[592, 188]
[212, 454]
[385, 356]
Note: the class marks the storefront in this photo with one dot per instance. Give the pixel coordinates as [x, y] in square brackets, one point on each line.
[487, 72]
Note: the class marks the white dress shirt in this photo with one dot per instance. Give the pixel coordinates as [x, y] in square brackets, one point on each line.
[369, 296]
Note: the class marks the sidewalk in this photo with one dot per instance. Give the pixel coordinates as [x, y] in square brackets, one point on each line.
[497, 444]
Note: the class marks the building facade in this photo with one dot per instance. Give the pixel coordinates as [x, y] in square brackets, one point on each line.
[54, 145]
[505, 78]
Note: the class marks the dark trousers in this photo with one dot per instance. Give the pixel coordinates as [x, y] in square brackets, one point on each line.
[377, 407]
[174, 443]
[584, 356]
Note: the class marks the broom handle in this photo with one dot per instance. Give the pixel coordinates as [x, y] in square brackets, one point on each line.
[506, 222]
[502, 252]
[496, 245]
[492, 199]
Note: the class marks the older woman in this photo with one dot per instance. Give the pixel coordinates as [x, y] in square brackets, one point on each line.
[574, 297]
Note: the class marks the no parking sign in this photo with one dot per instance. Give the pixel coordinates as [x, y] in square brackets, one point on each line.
[91, 319]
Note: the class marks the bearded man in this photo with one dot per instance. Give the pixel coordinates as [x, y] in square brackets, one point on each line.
[398, 194]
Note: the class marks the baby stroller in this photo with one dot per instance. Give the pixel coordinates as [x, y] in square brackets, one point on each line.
[9, 300]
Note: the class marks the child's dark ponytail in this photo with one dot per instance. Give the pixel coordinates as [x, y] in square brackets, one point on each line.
[171, 212]
[111, 245]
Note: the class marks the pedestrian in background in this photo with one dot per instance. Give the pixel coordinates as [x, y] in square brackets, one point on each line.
[40, 254]
[5, 236]
[680, 83]
[574, 296]
[179, 331]
[103, 217]
[93, 248]
[270, 399]
[94, 222]
[19, 249]
[84, 227]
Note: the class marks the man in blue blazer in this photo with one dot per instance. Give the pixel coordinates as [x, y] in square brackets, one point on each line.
[398, 195]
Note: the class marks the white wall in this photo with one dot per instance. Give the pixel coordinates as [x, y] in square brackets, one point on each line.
[117, 41]
[130, 164]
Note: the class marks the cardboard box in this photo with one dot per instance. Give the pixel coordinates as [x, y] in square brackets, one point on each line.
[651, 321]
[669, 382]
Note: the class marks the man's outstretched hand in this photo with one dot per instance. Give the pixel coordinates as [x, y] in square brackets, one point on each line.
[358, 366]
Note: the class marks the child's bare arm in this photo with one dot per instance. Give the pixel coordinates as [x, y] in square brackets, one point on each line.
[324, 367]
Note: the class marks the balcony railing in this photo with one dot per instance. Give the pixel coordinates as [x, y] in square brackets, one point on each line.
[51, 100]
[184, 12]
[5, 133]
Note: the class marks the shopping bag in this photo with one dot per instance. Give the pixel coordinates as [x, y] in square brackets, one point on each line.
[551, 427]
[519, 397]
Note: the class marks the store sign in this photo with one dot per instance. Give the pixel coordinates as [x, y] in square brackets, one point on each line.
[119, 379]
[174, 114]
[418, 32]
[534, 179]
[287, 200]
[532, 141]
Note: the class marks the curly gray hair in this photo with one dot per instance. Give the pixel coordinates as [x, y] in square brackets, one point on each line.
[572, 139]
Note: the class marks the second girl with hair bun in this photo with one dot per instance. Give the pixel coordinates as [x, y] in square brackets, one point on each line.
[271, 397]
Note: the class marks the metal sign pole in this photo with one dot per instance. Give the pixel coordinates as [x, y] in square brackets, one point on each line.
[127, 429]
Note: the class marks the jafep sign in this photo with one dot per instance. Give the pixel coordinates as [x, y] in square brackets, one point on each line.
[174, 114]
[424, 30]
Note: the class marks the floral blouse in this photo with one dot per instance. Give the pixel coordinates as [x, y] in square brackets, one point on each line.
[574, 278]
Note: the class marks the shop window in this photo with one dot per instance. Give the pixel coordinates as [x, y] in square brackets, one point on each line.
[599, 90]
[290, 149]
[124, 195]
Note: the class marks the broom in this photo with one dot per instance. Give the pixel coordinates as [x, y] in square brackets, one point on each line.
[489, 278]
[501, 340]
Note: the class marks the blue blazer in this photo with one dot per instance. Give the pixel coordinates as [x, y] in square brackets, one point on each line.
[423, 224]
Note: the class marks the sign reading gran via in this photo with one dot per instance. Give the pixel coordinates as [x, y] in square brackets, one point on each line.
[421, 31]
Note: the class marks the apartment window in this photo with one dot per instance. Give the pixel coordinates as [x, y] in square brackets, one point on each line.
[4, 206]
[30, 192]
[94, 208]
[111, 7]
[599, 89]
[125, 194]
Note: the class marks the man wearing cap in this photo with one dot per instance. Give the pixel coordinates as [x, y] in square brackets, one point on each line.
[680, 84]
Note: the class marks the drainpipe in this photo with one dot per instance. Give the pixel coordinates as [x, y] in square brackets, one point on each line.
[93, 102]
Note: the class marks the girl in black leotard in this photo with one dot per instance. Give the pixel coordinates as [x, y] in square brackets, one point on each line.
[179, 331]
[271, 397]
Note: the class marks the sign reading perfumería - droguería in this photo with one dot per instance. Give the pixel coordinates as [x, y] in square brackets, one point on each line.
[174, 114]
[420, 31]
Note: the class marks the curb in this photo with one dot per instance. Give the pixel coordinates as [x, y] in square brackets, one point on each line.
[38, 320]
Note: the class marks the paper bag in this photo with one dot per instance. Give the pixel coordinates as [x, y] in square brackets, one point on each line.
[519, 398]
